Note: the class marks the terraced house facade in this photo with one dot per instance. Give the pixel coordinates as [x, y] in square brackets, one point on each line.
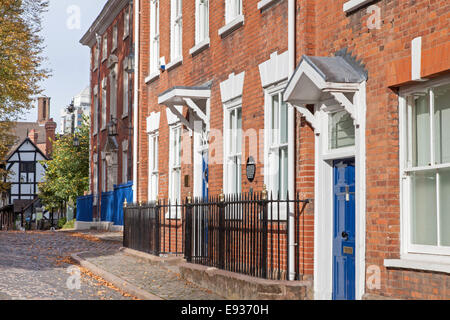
[345, 103]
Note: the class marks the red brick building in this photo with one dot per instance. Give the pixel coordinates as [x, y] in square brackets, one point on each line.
[344, 102]
[110, 39]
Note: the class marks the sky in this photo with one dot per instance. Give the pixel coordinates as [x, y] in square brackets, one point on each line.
[63, 26]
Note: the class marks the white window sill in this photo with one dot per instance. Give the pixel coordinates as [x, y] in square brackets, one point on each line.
[104, 59]
[418, 265]
[263, 4]
[230, 27]
[202, 45]
[175, 63]
[354, 4]
[152, 76]
[125, 36]
[125, 115]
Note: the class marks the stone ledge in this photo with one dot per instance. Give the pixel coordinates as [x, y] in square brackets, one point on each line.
[152, 259]
[81, 225]
[242, 287]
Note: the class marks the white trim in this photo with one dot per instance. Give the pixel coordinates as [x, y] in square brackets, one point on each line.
[135, 106]
[201, 19]
[409, 250]
[230, 27]
[323, 211]
[417, 265]
[199, 47]
[275, 69]
[416, 59]
[174, 63]
[152, 76]
[153, 121]
[233, 87]
[354, 4]
[263, 4]
[227, 108]
[172, 117]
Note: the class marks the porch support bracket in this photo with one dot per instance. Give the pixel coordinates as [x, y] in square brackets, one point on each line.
[347, 104]
[311, 118]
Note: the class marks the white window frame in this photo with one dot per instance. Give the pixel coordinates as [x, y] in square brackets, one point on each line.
[272, 179]
[104, 102]
[125, 161]
[126, 23]
[233, 9]
[232, 158]
[113, 95]
[114, 38]
[125, 92]
[104, 177]
[105, 47]
[96, 56]
[95, 111]
[154, 37]
[95, 178]
[175, 162]
[201, 21]
[153, 165]
[409, 249]
[176, 30]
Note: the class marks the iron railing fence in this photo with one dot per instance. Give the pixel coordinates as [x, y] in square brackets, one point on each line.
[246, 233]
[154, 227]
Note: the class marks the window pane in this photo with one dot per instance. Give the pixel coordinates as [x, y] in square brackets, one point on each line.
[341, 130]
[423, 202]
[239, 131]
[442, 123]
[444, 185]
[275, 119]
[284, 123]
[422, 131]
[231, 132]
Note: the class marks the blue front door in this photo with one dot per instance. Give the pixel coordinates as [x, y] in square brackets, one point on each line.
[205, 175]
[344, 230]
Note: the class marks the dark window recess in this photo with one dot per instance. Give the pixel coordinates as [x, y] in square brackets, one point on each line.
[27, 166]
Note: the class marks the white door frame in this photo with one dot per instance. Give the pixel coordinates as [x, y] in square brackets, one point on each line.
[323, 209]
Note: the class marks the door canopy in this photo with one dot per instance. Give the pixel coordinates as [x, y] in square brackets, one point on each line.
[323, 78]
[195, 98]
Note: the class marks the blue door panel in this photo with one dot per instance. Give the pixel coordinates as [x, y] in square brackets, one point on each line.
[344, 230]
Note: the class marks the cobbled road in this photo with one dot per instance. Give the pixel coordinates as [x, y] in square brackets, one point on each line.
[36, 265]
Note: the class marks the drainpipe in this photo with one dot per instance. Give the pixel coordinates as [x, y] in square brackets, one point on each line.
[136, 98]
[291, 139]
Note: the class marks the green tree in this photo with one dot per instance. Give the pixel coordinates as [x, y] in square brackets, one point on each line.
[21, 70]
[67, 173]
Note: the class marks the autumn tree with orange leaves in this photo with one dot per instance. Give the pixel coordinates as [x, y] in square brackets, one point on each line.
[21, 69]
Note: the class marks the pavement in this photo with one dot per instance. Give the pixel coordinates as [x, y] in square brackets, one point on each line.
[38, 265]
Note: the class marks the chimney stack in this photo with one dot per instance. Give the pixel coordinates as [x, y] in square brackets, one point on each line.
[33, 135]
[43, 109]
[50, 127]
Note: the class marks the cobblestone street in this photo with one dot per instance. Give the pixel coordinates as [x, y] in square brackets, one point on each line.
[34, 265]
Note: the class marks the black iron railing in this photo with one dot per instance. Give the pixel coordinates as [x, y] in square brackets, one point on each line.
[155, 227]
[245, 233]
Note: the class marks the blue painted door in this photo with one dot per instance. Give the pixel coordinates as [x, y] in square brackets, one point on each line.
[205, 179]
[344, 230]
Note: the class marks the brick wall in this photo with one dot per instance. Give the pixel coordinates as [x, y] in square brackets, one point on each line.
[386, 52]
[122, 51]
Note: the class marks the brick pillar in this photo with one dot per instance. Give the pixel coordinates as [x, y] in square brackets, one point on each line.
[50, 127]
